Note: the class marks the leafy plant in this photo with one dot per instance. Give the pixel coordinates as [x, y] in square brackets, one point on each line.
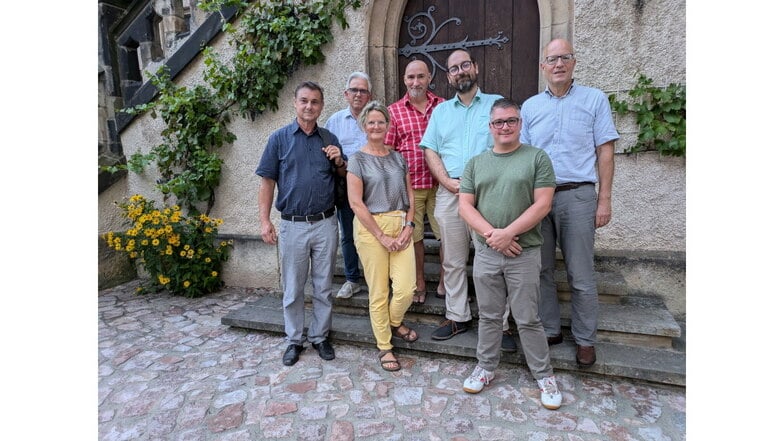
[660, 114]
[180, 253]
[273, 39]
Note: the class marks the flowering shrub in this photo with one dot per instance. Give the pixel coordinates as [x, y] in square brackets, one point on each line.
[180, 253]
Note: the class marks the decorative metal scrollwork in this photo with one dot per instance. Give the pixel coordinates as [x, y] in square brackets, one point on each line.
[417, 30]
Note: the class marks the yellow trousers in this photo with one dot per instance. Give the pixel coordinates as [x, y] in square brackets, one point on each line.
[380, 266]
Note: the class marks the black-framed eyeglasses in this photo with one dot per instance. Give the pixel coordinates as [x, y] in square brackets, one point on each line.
[553, 59]
[458, 67]
[499, 123]
[355, 91]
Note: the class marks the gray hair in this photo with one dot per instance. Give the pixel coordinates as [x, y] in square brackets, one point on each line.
[361, 75]
[371, 106]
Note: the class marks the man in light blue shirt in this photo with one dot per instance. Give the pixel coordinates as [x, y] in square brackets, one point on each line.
[574, 125]
[343, 124]
[459, 129]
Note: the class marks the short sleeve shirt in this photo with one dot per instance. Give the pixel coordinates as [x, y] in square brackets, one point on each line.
[343, 124]
[503, 185]
[383, 180]
[304, 175]
[458, 132]
[406, 127]
[569, 128]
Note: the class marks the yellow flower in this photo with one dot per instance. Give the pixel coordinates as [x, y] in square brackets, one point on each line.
[208, 260]
[182, 253]
[186, 247]
[144, 242]
[155, 242]
[186, 283]
[214, 274]
[208, 230]
[223, 244]
[168, 250]
[133, 255]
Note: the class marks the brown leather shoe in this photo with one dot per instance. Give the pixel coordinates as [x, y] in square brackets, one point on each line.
[555, 340]
[586, 356]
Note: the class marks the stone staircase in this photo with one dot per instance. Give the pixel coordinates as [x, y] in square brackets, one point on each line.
[637, 336]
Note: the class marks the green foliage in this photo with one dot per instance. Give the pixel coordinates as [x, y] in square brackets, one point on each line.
[661, 116]
[273, 39]
[196, 125]
[180, 253]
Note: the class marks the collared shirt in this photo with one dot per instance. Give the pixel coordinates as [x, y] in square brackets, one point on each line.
[304, 175]
[343, 124]
[458, 133]
[569, 129]
[407, 125]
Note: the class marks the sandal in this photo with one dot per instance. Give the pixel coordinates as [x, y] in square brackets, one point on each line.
[388, 365]
[409, 336]
[419, 297]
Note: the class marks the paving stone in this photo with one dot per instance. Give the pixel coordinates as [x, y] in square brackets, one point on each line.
[168, 369]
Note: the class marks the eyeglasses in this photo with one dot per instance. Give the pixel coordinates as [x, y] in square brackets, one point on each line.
[458, 67]
[552, 59]
[355, 91]
[499, 123]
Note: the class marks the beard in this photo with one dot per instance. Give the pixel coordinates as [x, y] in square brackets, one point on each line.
[464, 84]
[416, 93]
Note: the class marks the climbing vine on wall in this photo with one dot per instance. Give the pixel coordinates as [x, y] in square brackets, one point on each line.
[660, 113]
[272, 39]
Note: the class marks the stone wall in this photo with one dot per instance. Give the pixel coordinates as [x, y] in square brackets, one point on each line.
[614, 39]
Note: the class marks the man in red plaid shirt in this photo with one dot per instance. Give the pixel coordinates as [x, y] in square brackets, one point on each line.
[408, 121]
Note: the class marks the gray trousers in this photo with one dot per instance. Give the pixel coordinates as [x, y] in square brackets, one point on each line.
[307, 247]
[496, 277]
[571, 225]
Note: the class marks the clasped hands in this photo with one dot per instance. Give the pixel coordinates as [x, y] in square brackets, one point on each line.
[396, 243]
[504, 242]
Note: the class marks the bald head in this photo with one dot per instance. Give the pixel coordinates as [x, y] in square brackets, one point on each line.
[417, 79]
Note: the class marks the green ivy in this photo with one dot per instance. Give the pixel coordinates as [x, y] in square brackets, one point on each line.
[661, 116]
[272, 40]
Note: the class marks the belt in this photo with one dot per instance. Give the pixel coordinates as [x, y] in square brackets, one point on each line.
[310, 217]
[571, 185]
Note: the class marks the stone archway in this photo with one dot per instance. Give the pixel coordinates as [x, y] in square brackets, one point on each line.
[556, 19]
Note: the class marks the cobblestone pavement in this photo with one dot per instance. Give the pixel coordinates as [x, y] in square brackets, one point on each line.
[168, 370]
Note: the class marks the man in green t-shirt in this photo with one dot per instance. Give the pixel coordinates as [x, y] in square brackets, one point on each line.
[504, 194]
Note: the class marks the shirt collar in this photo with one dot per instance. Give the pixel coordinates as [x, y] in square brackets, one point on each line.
[568, 91]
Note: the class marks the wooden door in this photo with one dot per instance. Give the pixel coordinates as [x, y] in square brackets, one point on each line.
[501, 35]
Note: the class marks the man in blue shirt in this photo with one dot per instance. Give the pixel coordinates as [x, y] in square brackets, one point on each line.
[574, 125]
[459, 129]
[302, 160]
[343, 123]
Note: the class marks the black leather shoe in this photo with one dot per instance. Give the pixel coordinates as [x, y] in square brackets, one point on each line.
[555, 340]
[325, 350]
[291, 355]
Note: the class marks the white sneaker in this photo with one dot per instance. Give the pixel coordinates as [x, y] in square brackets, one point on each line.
[477, 381]
[348, 289]
[551, 396]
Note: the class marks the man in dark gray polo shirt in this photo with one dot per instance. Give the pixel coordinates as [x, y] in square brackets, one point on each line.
[302, 160]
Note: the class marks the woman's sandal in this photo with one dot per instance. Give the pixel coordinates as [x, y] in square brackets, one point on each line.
[419, 297]
[388, 365]
[409, 336]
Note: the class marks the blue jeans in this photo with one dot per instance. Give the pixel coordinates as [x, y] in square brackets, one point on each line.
[350, 257]
[571, 225]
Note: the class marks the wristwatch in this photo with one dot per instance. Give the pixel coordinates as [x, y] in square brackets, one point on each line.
[410, 224]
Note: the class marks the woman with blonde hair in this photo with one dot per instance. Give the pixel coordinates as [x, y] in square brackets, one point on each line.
[381, 196]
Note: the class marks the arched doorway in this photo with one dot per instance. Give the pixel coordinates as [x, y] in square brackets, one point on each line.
[554, 19]
[501, 35]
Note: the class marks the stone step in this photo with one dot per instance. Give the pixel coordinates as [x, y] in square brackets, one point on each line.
[658, 365]
[611, 286]
[650, 326]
